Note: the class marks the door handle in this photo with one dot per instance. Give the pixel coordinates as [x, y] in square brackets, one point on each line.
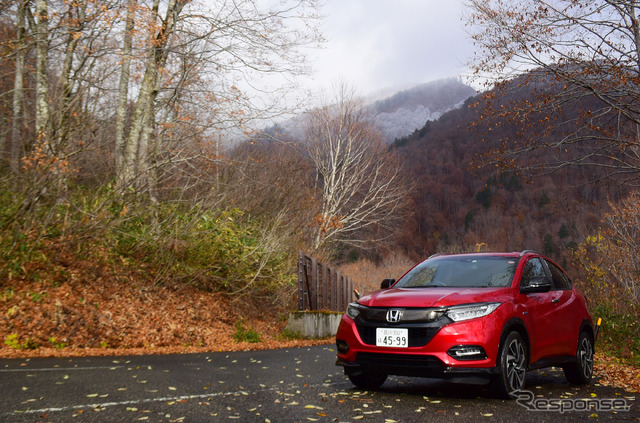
[555, 300]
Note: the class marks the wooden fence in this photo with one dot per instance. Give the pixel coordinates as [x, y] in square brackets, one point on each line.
[321, 287]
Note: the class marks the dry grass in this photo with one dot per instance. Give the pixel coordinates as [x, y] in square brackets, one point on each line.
[367, 275]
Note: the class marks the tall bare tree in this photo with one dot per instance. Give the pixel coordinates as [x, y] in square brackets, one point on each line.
[201, 74]
[123, 85]
[581, 63]
[359, 179]
[18, 86]
[42, 78]
[135, 151]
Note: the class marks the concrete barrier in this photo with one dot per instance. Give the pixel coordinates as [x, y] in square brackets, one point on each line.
[314, 324]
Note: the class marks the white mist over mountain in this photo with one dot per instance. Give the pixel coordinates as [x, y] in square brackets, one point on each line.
[400, 114]
[397, 114]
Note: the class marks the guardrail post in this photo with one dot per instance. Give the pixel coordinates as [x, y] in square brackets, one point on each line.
[325, 287]
[313, 286]
[301, 280]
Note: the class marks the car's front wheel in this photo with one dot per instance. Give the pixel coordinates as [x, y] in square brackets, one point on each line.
[368, 380]
[512, 366]
[580, 372]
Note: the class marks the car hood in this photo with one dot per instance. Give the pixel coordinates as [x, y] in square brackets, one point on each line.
[433, 297]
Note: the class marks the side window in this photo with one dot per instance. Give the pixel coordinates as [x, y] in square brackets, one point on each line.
[560, 279]
[533, 269]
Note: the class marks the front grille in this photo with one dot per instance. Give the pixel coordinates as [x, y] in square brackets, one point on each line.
[418, 336]
[422, 323]
[417, 362]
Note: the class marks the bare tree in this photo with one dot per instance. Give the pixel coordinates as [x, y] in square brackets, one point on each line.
[608, 261]
[176, 73]
[135, 150]
[359, 179]
[41, 30]
[123, 85]
[201, 71]
[618, 250]
[18, 87]
[581, 64]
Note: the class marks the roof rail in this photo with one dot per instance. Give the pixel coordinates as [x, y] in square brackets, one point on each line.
[528, 251]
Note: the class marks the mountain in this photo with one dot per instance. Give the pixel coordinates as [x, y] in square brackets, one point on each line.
[408, 110]
[397, 115]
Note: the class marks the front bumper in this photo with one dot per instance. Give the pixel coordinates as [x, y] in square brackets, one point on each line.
[416, 366]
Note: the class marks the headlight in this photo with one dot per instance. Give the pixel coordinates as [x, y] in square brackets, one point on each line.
[353, 310]
[471, 311]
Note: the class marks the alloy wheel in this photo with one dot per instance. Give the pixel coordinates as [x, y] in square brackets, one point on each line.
[516, 364]
[586, 357]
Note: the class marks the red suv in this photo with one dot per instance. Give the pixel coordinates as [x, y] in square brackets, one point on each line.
[471, 318]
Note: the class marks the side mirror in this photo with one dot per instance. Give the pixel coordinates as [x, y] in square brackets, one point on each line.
[386, 283]
[539, 284]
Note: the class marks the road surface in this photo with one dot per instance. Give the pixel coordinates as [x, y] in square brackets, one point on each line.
[288, 385]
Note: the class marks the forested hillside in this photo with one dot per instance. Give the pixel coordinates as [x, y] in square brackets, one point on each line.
[462, 202]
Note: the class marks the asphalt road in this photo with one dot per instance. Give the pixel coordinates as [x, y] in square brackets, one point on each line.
[293, 385]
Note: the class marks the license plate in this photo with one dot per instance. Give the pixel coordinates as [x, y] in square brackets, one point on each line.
[396, 338]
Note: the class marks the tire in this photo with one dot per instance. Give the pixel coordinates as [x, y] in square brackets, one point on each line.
[369, 381]
[580, 372]
[512, 367]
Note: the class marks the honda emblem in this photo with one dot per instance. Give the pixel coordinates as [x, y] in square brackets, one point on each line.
[394, 316]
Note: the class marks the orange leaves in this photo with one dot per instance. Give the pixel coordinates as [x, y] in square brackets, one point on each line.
[327, 223]
[41, 160]
[103, 307]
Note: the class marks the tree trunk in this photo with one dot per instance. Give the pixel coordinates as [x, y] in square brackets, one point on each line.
[66, 81]
[135, 153]
[42, 81]
[18, 91]
[123, 88]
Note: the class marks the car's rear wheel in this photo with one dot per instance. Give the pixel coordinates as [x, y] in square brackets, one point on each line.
[368, 380]
[580, 372]
[512, 366]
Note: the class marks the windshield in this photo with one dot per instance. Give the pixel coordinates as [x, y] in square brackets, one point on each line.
[460, 271]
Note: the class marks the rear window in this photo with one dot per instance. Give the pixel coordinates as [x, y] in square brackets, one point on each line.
[459, 271]
[560, 280]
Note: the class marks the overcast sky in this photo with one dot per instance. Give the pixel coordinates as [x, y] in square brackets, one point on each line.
[380, 44]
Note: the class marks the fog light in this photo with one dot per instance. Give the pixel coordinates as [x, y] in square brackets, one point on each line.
[467, 352]
[343, 347]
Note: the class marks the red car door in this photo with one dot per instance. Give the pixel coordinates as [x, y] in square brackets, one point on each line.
[539, 310]
[565, 314]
